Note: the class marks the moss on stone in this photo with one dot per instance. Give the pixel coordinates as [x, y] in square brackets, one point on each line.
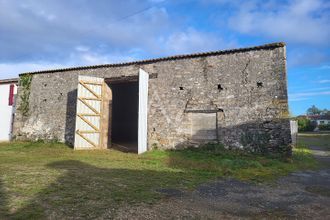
[25, 85]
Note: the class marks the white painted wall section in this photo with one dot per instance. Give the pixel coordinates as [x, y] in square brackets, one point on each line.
[6, 112]
[324, 122]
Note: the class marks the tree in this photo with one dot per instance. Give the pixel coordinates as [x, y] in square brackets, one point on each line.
[313, 110]
[304, 124]
[325, 112]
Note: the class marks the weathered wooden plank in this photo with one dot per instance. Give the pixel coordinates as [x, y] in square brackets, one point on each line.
[89, 111]
[89, 89]
[86, 139]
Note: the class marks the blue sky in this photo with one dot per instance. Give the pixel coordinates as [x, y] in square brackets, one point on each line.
[36, 35]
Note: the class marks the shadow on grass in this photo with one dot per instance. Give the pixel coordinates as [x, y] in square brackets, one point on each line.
[3, 201]
[85, 191]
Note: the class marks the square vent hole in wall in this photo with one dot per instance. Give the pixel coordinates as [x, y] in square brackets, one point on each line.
[220, 88]
[204, 126]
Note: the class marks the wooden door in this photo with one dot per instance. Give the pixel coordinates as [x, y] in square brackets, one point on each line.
[89, 113]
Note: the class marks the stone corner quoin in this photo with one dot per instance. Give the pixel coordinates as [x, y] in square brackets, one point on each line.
[235, 97]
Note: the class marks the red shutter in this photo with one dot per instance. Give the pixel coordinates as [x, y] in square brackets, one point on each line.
[11, 95]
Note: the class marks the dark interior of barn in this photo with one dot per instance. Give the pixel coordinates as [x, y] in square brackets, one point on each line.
[124, 119]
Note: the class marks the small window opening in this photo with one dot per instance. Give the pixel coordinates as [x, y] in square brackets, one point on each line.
[220, 87]
[181, 87]
[259, 84]
[45, 85]
[220, 110]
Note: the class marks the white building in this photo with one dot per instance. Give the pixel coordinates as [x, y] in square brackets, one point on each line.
[320, 119]
[323, 121]
[8, 89]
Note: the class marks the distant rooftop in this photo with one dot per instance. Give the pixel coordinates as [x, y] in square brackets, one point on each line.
[8, 81]
[319, 117]
[185, 56]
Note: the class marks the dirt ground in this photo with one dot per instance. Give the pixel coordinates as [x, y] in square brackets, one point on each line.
[301, 195]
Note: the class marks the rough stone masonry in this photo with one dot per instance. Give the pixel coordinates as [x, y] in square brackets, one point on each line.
[235, 97]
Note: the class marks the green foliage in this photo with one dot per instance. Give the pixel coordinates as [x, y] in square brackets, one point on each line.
[213, 148]
[324, 127]
[304, 124]
[25, 86]
[313, 110]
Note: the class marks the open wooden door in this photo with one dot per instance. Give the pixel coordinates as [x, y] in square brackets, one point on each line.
[89, 112]
[143, 111]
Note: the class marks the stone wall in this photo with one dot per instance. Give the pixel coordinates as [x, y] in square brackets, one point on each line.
[238, 98]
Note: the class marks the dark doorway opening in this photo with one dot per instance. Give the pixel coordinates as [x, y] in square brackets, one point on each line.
[124, 123]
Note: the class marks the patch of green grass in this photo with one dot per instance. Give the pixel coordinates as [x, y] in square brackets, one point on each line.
[39, 180]
[241, 165]
[320, 139]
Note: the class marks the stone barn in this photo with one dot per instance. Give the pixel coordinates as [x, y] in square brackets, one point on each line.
[235, 97]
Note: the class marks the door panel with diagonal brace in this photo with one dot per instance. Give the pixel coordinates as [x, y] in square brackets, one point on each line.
[89, 110]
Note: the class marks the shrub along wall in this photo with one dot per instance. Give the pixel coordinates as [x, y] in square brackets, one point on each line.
[305, 124]
[324, 127]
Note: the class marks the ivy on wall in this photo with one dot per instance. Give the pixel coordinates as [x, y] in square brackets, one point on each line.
[25, 86]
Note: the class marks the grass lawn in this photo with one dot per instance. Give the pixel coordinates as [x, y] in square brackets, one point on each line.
[320, 139]
[40, 180]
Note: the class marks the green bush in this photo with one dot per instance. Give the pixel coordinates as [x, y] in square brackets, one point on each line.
[324, 127]
[304, 124]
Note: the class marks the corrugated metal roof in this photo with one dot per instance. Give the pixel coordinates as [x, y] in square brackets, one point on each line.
[8, 81]
[185, 56]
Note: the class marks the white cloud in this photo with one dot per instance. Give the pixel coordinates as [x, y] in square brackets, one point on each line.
[187, 41]
[157, 1]
[42, 35]
[12, 70]
[298, 99]
[299, 21]
[309, 89]
[55, 28]
[192, 41]
[306, 95]
[80, 58]
[82, 48]
[96, 59]
[324, 81]
[325, 67]
[307, 56]
[52, 30]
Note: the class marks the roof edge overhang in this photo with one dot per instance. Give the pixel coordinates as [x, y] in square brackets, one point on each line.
[8, 81]
[176, 57]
